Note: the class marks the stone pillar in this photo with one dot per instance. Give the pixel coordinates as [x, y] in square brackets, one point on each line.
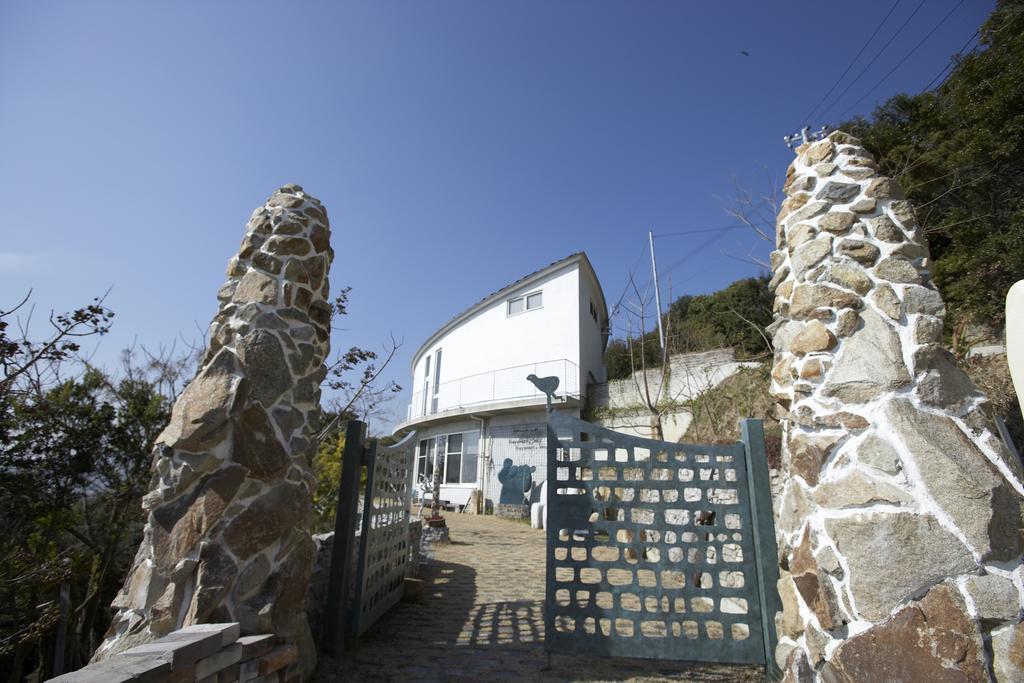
[228, 510]
[899, 526]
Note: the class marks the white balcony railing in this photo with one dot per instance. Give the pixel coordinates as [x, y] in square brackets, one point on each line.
[506, 384]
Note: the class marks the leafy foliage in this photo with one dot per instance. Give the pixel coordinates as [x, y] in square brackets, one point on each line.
[20, 355]
[73, 467]
[75, 445]
[732, 317]
[958, 152]
[327, 468]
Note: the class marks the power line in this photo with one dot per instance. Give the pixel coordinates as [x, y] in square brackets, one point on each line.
[952, 65]
[701, 247]
[697, 232]
[874, 59]
[632, 271]
[629, 279]
[694, 252]
[852, 62]
[905, 58]
[1010, 18]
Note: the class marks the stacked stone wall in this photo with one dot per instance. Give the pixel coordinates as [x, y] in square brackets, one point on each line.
[689, 376]
[619, 404]
[207, 653]
[229, 507]
[899, 524]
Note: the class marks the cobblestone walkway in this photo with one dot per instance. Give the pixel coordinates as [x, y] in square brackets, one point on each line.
[481, 618]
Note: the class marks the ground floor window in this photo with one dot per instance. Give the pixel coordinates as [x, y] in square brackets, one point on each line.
[456, 454]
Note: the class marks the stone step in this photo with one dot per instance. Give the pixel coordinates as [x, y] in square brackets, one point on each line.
[210, 666]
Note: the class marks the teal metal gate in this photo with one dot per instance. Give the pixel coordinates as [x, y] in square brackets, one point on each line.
[370, 555]
[659, 550]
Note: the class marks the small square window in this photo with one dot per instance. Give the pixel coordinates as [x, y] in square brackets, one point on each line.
[533, 301]
[516, 305]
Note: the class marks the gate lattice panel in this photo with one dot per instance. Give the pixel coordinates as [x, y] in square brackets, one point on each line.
[655, 550]
[384, 541]
[370, 556]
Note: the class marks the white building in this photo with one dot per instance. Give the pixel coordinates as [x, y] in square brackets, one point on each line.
[472, 406]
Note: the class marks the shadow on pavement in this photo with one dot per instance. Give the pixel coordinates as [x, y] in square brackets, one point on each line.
[445, 635]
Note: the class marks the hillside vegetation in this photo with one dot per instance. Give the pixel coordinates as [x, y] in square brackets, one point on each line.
[732, 317]
[958, 152]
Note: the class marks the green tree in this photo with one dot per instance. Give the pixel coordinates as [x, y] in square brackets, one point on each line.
[958, 152]
[75, 454]
[732, 317]
[327, 468]
[75, 447]
[72, 472]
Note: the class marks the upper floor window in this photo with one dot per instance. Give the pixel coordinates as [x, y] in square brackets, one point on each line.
[593, 311]
[527, 302]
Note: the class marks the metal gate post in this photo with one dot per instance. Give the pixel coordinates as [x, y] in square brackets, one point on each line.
[339, 587]
[550, 535]
[356, 605]
[765, 548]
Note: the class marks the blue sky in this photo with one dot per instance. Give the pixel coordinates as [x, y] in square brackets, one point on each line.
[456, 145]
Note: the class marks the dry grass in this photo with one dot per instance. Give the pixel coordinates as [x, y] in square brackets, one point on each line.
[991, 375]
[716, 413]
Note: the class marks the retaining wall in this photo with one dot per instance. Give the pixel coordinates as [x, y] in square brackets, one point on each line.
[203, 653]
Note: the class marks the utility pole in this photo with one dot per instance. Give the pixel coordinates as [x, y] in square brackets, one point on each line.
[657, 290]
[804, 136]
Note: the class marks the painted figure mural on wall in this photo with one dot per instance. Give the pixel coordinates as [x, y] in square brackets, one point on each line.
[227, 533]
[899, 525]
[516, 482]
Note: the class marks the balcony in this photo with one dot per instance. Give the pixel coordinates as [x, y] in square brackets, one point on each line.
[498, 386]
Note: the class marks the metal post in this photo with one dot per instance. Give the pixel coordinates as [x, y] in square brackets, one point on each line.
[657, 291]
[355, 613]
[340, 577]
[765, 549]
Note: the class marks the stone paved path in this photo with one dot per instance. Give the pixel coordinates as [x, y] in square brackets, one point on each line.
[481, 618]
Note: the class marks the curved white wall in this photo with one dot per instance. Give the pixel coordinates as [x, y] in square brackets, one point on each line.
[486, 357]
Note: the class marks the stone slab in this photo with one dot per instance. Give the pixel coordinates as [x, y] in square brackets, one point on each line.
[94, 674]
[869, 364]
[183, 674]
[249, 671]
[858, 490]
[180, 649]
[933, 640]
[995, 598]
[228, 675]
[278, 658]
[209, 666]
[960, 479]
[892, 556]
[142, 669]
[1008, 654]
[256, 646]
[229, 631]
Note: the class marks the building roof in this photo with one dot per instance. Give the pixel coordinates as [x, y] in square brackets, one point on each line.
[579, 256]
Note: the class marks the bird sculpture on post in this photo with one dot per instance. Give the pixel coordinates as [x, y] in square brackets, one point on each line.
[546, 385]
